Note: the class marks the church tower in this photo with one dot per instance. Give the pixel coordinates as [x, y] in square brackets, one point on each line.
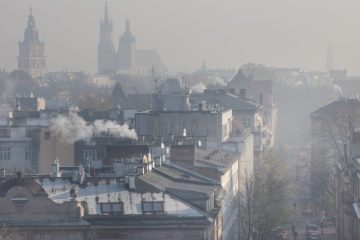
[31, 57]
[127, 50]
[106, 50]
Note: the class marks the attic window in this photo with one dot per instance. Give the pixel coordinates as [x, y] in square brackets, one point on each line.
[153, 206]
[112, 208]
[19, 200]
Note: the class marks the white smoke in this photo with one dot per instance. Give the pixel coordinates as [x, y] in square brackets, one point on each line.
[217, 81]
[122, 131]
[73, 128]
[198, 88]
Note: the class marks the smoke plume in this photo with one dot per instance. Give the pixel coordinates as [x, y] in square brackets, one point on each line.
[73, 128]
[198, 88]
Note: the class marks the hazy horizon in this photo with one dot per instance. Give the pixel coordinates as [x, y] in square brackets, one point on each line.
[225, 34]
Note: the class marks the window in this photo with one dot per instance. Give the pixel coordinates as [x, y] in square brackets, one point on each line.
[5, 132]
[28, 153]
[112, 208]
[4, 153]
[47, 135]
[89, 155]
[19, 199]
[245, 122]
[153, 206]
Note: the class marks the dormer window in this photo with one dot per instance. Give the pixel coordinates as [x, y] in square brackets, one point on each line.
[19, 200]
[153, 206]
[112, 208]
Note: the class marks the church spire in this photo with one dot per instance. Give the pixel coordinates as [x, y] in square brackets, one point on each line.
[106, 13]
[31, 20]
[31, 57]
[127, 24]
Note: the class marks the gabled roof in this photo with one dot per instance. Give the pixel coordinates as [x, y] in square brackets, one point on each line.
[118, 98]
[240, 79]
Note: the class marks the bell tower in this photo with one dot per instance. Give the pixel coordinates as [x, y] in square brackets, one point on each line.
[106, 50]
[31, 57]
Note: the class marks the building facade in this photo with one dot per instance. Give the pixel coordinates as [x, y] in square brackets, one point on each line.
[330, 128]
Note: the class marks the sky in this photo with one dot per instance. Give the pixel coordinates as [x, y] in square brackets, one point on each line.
[223, 33]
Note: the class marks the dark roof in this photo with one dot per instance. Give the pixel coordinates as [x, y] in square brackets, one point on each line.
[127, 151]
[118, 98]
[226, 100]
[141, 102]
[28, 183]
[240, 78]
[164, 182]
[340, 107]
[149, 58]
[171, 85]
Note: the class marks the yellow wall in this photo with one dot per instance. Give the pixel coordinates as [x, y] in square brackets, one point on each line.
[54, 148]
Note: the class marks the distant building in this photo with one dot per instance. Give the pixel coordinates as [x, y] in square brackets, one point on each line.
[28, 144]
[30, 103]
[31, 57]
[106, 49]
[330, 127]
[127, 59]
[348, 190]
[163, 203]
[215, 126]
[260, 91]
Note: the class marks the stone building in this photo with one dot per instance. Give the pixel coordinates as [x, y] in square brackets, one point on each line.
[31, 57]
[167, 203]
[215, 125]
[127, 59]
[348, 190]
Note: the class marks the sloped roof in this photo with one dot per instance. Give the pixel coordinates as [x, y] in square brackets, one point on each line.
[164, 183]
[118, 98]
[141, 102]
[239, 79]
[227, 100]
[28, 183]
[340, 106]
[149, 58]
[171, 86]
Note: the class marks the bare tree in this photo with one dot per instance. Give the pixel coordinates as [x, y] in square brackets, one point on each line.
[264, 199]
[330, 131]
[7, 233]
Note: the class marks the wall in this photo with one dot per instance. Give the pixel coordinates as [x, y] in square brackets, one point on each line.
[54, 148]
[215, 125]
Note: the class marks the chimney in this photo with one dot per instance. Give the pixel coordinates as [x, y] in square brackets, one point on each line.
[132, 182]
[55, 169]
